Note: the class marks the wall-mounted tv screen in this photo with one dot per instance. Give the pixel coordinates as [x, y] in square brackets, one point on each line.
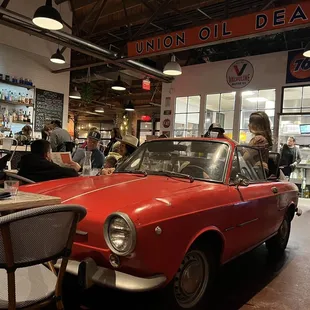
[304, 129]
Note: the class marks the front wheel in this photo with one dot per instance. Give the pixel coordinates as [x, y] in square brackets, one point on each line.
[189, 287]
[277, 244]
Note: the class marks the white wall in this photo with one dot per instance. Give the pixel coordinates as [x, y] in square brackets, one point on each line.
[26, 56]
[210, 78]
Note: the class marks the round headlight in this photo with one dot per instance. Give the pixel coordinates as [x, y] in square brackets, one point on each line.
[120, 233]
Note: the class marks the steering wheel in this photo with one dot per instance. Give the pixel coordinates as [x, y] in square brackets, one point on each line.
[194, 167]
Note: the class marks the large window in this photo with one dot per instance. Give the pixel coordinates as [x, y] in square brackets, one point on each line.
[252, 101]
[220, 109]
[296, 100]
[186, 121]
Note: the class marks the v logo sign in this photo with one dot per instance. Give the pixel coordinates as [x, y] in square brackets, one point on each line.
[240, 72]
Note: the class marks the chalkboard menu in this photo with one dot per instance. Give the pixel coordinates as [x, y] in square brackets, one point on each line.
[49, 106]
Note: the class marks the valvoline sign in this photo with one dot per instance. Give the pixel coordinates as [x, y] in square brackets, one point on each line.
[298, 67]
[240, 74]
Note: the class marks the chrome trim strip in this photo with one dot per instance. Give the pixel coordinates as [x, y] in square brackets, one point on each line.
[229, 229]
[248, 222]
[81, 233]
[115, 279]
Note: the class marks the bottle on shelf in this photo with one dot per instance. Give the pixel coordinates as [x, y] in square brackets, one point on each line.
[26, 99]
[6, 95]
[29, 117]
[14, 116]
[30, 99]
[20, 115]
[2, 94]
[19, 98]
[23, 98]
[11, 134]
[25, 117]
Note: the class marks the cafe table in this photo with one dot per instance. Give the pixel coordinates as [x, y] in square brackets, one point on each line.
[24, 200]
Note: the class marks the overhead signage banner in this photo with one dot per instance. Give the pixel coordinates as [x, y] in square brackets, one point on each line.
[239, 27]
[298, 67]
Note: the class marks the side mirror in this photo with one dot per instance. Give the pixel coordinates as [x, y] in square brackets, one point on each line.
[241, 181]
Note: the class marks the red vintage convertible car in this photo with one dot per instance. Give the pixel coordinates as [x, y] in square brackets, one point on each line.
[172, 213]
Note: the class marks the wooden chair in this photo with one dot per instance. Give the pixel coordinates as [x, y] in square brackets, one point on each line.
[28, 239]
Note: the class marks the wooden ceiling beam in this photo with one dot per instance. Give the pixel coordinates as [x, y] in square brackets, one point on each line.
[107, 26]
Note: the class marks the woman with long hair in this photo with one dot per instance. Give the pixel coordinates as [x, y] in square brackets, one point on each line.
[115, 136]
[259, 126]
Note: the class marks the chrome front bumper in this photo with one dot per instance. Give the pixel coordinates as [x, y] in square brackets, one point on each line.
[89, 273]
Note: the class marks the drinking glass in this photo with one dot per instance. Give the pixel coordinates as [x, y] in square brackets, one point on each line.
[12, 187]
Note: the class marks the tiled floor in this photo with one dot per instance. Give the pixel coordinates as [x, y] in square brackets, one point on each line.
[248, 283]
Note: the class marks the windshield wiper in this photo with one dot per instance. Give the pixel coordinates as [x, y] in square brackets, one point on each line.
[172, 174]
[139, 172]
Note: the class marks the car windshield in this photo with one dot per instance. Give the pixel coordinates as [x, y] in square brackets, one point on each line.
[202, 160]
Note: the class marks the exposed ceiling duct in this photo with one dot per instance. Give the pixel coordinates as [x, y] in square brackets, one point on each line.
[23, 23]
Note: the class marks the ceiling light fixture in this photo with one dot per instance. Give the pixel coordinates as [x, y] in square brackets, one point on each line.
[119, 84]
[58, 58]
[307, 51]
[98, 110]
[48, 17]
[75, 94]
[172, 67]
[129, 107]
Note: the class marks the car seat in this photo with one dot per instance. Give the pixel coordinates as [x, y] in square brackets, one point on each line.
[273, 165]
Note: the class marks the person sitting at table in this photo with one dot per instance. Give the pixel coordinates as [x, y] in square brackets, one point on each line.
[97, 157]
[38, 166]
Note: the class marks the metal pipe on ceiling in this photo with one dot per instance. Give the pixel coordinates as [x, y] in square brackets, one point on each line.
[23, 23]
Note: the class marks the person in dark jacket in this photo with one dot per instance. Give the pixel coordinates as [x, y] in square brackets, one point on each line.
[38, 167]
[290, 157]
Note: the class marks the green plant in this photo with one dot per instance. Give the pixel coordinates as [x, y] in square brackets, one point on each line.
[87, 93]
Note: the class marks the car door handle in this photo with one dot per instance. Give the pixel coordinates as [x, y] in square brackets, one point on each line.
[274, 190]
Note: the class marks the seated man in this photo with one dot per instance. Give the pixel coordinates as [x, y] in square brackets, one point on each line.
[37, 165]
[97, 157]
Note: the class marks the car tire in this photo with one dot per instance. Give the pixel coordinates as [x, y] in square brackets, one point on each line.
[277, 244]
[190, 287]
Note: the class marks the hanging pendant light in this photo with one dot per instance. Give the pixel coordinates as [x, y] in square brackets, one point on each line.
[75, 94]
[58, 58]
[48, 17]
[119, 84]
[129, 107]
[99, 110]
[172, 67]
[307, 50]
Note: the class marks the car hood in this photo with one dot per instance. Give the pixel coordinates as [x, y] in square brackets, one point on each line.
[106, 194]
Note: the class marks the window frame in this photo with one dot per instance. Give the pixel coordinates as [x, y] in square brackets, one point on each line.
[219, 111]
[186, 113]
[282, 100]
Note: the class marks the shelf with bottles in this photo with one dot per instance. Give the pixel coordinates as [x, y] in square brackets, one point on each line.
[18, 83]
[15, 116]
[12, 97]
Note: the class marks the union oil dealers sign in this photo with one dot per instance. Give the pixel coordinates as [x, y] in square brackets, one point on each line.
[249, 25]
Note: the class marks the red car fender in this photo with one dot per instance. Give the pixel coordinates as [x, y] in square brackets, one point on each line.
[199, 234]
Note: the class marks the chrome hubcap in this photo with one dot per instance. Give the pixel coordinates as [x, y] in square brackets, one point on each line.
[191, 280]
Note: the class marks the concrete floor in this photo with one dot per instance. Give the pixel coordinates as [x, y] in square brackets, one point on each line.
[250, 282]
